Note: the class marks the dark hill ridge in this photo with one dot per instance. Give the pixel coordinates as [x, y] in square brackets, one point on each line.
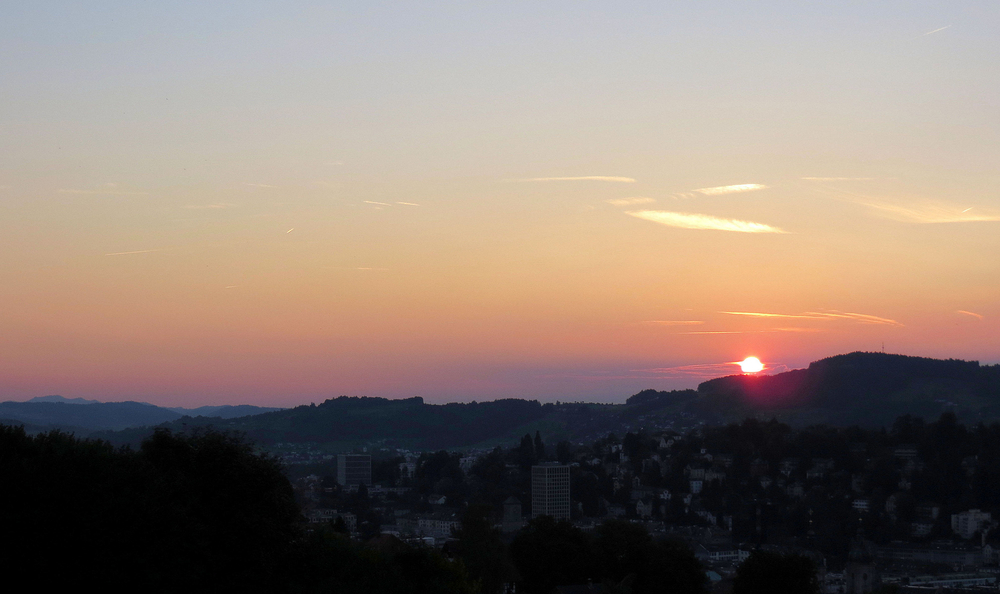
[868, 389]
[408, 421]
[860, 388]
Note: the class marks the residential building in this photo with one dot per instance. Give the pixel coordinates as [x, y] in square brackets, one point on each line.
[968, 523]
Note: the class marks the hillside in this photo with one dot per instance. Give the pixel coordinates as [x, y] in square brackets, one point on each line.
[868, 389]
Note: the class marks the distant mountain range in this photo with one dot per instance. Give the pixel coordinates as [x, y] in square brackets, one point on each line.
[866, 389]
[83, 417]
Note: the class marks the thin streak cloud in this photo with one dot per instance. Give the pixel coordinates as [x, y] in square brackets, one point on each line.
[970, 313]
[837, 178]
[764, 331]
[408, 203]
[928, 213]
[378, 203]
[935, 31]
[863, 318]
[815, 315]
[219, 205]
[700, 221]
[132, 252]
[758, 314]
[631, 201]
[607, 178]
[717, 191]
[103, 192]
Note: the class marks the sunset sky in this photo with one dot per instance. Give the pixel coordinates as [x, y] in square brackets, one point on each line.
[278, 203]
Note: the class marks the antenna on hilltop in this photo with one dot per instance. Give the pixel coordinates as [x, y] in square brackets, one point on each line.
[883, 346]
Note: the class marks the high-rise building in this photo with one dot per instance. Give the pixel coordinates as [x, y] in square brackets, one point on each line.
[550, 491]
[354, 470]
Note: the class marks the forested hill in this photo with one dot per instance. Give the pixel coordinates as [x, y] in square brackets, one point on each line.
[867, 389]
[860, 388]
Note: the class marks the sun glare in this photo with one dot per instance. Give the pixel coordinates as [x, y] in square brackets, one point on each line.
[751, 365]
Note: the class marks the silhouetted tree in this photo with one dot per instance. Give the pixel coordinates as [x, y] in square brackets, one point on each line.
[765, 573]
[548, 553]
[482, 550]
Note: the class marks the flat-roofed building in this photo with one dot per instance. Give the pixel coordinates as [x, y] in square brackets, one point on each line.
[550, 491]
[354, 470]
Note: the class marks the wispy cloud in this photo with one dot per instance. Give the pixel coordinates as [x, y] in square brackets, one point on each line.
[717, 191]
[837, 178]
[376, 203]
[970, 313]
[817, 315]
[290, 230]
[260, 185]
[929, 212]
[675, 322]
[708, 370]
[862, 318]
[701, 221]
[758, 314]
[408, 203]
[216, 206]
[606, 178]
[935, 31]
[132, 252]
[103, 192]
[764, 331]
[631, 201]
[705, 370]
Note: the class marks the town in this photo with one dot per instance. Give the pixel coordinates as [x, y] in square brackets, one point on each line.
[911, 506]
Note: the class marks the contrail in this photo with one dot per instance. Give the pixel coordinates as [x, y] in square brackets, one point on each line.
[135, 252]
[607, 178]
[935, 31]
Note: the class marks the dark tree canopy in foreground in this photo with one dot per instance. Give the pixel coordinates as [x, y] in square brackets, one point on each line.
[766, 573]
[198, 513]
[621, 556]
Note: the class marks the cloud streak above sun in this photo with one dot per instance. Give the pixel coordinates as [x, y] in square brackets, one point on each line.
[631, 201]
[685, 220]
[815, 315]
[720, 190]
[930, 212]
[970, 313]
[606, 178]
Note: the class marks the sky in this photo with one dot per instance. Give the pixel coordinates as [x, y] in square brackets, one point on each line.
[278, 203]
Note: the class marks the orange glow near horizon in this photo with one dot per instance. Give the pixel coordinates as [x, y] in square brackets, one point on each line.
[481, 202]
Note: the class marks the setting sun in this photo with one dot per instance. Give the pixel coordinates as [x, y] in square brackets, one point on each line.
[751, 365]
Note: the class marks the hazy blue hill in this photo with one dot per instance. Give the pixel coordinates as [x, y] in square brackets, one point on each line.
[225, 411]
[97, 416]
[62, 399]
[80, 416]
[860, 388]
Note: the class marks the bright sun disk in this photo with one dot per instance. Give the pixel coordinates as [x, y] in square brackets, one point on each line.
[751, 365]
